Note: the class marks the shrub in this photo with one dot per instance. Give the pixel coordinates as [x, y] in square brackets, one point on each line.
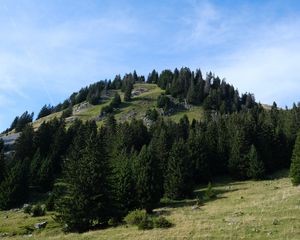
[146, 223]
[135, 217]
[162, 222]
[107, 109]
[50, 202]
[209, 192]
[113, 222]
[67, 113]
[152, 114]
[115, 103]
[28, 209]
[38, 211]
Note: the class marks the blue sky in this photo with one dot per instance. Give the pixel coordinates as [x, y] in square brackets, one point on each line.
[49, 49]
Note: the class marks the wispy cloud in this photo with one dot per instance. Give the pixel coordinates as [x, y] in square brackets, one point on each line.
[252, 50]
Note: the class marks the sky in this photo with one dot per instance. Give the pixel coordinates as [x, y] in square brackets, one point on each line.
[51, 48]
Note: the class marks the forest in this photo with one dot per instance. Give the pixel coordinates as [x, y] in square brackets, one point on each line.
[94, 176]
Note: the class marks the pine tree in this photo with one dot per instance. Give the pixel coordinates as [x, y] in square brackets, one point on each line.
[87, 179]
[295, 165]
[2, 166]
[123, 181]
[237, 163]
[14, 188]
[199, 157]
[148, 175]
[115, 103]
[256, 166]
[178, 182]
[128, 90]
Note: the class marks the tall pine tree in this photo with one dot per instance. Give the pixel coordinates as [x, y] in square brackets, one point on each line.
[148, 179]
[295, 165]
[87, 178]
[178, 181]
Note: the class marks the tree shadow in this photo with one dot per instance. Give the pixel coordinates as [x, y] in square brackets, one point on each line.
[199, 197]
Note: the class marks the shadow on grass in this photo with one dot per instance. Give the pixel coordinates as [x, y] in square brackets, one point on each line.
[199, 197]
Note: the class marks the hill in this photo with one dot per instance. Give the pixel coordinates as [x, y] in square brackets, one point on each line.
[242, 210]
[144, 97]
[149, 146]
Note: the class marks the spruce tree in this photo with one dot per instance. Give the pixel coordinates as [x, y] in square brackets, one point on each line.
[128, 90]
[124, 182]
[237, 164]
[87, 179]
[14, 188]
[199, 157]
[256, 166]
[2, 166]
[148, 179]
[178, 181]
[295, 165]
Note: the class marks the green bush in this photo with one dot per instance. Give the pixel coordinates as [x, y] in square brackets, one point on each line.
[209, 192]
[38, 211]
[28, 209]
[135, 217]
[50, 202]
[67, 113]
[146, 223]
[107, 109]
[162, 222]
[113, 222]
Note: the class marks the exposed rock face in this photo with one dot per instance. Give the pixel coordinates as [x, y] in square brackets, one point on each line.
[40, 225]
[10, 139]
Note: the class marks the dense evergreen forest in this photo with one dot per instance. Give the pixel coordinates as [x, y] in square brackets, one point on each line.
[94, 175]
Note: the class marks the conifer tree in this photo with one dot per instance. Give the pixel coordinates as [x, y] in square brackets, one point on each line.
[124, 182]
[295, 165]
[14, 188]
[2, 166]
[87, 179]
[256, 166]
[237, 164]
[128, 90]
[198, 156]
[178, 182]
[148, 179]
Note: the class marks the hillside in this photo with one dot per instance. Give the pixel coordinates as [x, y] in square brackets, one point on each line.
[242, 210]
[144, 97]
[148, 148]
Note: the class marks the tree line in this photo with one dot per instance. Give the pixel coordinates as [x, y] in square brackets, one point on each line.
[99, 174]
[210, 92]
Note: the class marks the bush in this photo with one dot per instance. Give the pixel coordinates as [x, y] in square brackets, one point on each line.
[113, 222]
[107, 109]
[28, 209]
[50, 202]
[115, 103]
[146, 223]
[67, 113]
[38, 211]
[152, 114]
[162, 222]
[135, 217]
[164, 102]
[209, 192]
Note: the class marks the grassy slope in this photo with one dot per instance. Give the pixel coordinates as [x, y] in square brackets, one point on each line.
[137, 108]
[243, 210]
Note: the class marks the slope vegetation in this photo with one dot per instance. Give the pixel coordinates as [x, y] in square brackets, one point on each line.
[267, 209]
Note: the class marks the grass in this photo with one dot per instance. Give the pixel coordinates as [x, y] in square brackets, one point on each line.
[267, 209]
